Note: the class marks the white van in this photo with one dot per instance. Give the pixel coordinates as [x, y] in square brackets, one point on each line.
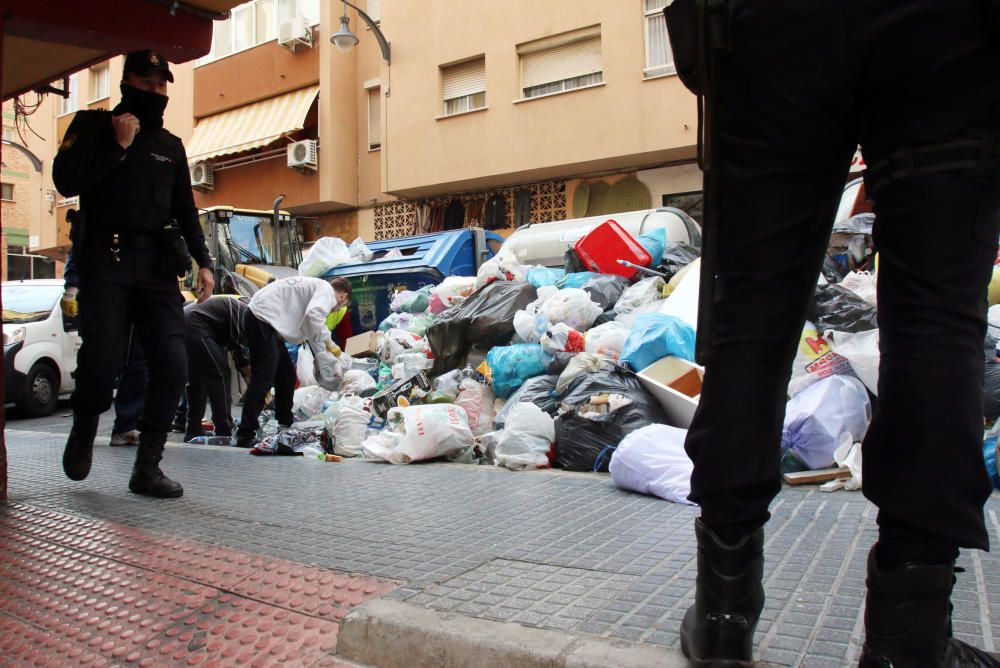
[39, 345]
[546, 243]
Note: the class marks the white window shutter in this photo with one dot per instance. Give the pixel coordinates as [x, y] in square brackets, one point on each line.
[374, 117]
[577, 59]
[466, 78]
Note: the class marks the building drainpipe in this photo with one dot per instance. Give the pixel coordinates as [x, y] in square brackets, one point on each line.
[279, 249]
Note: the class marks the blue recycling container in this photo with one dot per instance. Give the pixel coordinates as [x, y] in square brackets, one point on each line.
[427, 259]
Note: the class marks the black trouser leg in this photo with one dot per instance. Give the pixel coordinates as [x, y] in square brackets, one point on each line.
[262, 341]
[195, 387]
[284, 386]
[211, 367]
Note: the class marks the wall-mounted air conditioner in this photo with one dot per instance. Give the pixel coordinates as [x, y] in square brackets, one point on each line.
[294, 33]
[202, 176]
[302, 154]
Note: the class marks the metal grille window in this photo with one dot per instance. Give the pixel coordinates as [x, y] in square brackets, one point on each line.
[561, 63]
[374, 118]
[7, 192]
[463, 86]
[659, 55]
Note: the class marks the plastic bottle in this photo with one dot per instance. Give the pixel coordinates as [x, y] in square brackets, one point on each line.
[313, 453]
[208, 439]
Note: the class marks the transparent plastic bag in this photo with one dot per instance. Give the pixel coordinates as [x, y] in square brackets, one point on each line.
[305, 367]
[477, 400]
[356, 381]
[449, 383]
[526, 439]
[571, 306]
[360, 252]
[351, 426]
[307, 402]
[561, 338]
[607, 339]
[645, 291]
[583, 363]
[326, 253]
[428, 432]
[455, 289]
[514, 364]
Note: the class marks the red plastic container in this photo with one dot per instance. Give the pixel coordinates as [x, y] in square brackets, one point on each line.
[607, 243]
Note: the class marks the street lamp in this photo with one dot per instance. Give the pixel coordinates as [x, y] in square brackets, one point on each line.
[345, 40]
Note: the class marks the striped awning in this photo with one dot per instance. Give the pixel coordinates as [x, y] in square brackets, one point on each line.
[251, 126]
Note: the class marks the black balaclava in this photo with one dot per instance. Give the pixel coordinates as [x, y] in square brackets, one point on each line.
[143, 104]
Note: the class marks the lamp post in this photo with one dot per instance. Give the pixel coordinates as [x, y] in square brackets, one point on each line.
[345, 40]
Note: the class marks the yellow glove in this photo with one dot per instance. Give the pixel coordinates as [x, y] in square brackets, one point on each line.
[333, 349]
[68, 303]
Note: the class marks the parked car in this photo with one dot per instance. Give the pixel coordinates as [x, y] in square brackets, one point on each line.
[39, 345]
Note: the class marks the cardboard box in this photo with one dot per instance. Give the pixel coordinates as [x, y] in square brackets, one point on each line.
[387, 398]
[362, 345]
[676, 384]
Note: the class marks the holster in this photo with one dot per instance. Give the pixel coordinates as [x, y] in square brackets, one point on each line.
[175, 256]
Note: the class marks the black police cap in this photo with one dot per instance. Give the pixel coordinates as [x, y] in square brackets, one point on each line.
[144, 63]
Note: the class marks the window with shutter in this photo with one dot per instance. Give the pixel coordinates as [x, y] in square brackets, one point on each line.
[374, 118]
[463, 86]
[659, 55]
[561, 63]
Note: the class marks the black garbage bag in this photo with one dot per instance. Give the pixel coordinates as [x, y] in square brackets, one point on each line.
[832, 270]
[559, 362]
[586, 444]
[835, 307]
[540, 390]
[607, 316]
[606, 289]
[572, 262]
[486, 317]
[676, 256]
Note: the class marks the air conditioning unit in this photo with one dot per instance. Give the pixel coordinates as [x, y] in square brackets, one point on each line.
[295, 32]
[202, 176]
[302, 154]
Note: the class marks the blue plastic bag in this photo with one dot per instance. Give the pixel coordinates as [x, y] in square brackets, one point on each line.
[655, 336]
[990, 457]
[654, 242]
[541, 277]
[576, 279]
[512, 365]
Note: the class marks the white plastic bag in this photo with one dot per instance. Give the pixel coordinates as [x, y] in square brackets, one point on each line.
[449, 383]
[429, 431]
[531, 323]
[399, 341]
[652, 460]
[501, 267]
[356, 381]
[360, 252]
[561, 338]
[582, 363]
[848, 454]
[863, 284]
[307, 402]
[861, 350]
[607, 339]
[455, 289]
[325, 254]
[305, 367]
[645, 291]
[329, 370]
[683, 300]
[381, 445]
[526, 438]
[351, 427]
[477, 400]
[573, 307]
[818, 417]
[815, 360]
[626, 320]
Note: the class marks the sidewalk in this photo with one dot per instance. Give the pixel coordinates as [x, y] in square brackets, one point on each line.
[429, 564]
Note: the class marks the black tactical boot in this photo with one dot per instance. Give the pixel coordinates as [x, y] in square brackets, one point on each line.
[717, 631]
[79, 452]
[908, 620]
[147, 478]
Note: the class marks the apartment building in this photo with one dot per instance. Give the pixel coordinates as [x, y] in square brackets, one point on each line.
[490, 114]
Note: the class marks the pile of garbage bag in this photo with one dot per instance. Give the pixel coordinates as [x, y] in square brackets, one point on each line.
[530, 367]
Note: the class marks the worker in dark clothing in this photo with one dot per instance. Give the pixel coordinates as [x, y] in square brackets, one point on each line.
[213, 328]
[791, 89]
[137, 230]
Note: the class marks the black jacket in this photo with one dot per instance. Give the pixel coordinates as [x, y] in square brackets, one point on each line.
[219, 318]
[137, 190]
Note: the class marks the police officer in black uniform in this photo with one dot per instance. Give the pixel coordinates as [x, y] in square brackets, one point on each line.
[136, 233]
[790, 89]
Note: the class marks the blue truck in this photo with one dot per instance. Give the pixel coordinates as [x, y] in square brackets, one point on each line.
[425, 259]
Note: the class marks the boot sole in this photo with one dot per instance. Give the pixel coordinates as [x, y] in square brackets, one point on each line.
[710, 663]
[169, 495]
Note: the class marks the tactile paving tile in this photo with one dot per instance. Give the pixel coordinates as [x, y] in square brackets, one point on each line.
[80, 592]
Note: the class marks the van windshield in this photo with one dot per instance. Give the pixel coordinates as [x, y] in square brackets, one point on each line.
[29, 303]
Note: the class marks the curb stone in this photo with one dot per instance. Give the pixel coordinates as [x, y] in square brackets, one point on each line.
[392, 634]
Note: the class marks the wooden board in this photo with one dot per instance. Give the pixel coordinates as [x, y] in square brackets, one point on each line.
[819, 475]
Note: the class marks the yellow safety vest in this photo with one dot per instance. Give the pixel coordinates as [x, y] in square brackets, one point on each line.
[335, 317]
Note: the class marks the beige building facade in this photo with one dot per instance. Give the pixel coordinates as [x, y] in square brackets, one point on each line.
[545, 111]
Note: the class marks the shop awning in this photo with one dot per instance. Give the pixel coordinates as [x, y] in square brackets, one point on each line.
[250, 126]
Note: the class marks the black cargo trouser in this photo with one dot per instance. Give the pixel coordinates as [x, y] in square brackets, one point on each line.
[114, 297]
[208, 377]
[806, 82]
[270, 366]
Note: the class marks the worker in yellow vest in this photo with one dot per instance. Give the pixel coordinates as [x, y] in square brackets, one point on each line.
[337, 322]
